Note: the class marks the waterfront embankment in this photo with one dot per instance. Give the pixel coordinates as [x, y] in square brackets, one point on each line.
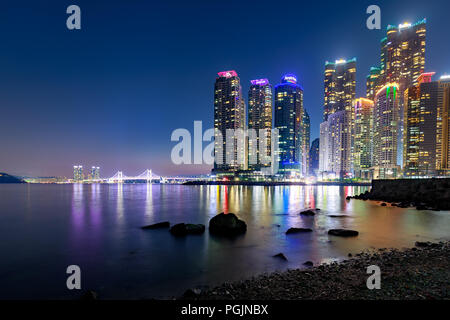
[271, 183]
[424, 194]
[421, 272]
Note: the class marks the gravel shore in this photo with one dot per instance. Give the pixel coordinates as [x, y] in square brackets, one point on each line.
[422, 272]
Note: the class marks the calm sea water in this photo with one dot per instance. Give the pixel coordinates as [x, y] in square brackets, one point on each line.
[45, 228]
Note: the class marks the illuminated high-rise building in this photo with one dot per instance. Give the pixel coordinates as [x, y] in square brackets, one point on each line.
[362, 137]
[443, 127]
[229, 115]
[385, 131]
[95, 173]
[373, 83]
[339, 93]
[306, 141]
[78, 173]
[403, 54]
[260, 108]
[426, 127]
[402, 62]
[314, 157]
[340, 86]
[289, 122]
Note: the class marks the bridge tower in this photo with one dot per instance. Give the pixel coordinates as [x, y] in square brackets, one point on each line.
[120, 177]
[148, 175]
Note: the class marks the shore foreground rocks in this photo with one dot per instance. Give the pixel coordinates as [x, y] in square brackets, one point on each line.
[159, 225]
[343, 233]
[410, 274]
[424, 194]
[182, 229]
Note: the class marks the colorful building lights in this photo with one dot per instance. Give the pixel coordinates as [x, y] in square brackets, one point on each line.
[227, 74]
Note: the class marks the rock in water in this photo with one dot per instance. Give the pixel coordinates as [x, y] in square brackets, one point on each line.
[182, 229]
[159, 225]
[308, 263]
[343, 233]
[281, 256]
[195, 228]
[227, 224]
[307, 213]
[298, 230]
[179, 230]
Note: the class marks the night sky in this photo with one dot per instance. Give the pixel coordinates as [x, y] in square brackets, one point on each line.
[111, 93]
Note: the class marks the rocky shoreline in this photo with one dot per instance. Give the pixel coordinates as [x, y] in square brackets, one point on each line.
[424, 194]
[421, 272]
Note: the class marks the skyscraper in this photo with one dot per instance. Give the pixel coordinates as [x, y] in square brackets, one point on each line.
[78, 173]
[288, 121]
[385, 131]
[443, 127]
[340, 91]
[260, 107]
[95, 173]
[426, 126]
[340, 86]
[362, 137]
[373, 83]
[314, 157]
[306, 141]
[339, 144]
[229, 116]
[403, 54]
[402, 62]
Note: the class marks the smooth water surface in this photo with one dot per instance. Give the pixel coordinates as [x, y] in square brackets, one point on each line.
[45, 228]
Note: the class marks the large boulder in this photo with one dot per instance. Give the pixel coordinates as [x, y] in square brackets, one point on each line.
[159, 225]
[298, 230]
[227, 224]
[343, 233]
[182, 229]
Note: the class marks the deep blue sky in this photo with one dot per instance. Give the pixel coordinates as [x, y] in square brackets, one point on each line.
[112, 93]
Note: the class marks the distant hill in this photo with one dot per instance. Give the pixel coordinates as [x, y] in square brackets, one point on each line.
[6, 178]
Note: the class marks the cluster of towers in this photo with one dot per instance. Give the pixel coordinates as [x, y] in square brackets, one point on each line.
[78, 174]
[244, 153]
[400, 127]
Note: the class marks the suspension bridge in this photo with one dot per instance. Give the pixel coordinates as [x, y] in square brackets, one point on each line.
[147, 176]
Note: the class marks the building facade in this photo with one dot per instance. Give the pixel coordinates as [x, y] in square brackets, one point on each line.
[306, 142]
[402, 62]
[339, 86]
[95, 173]
[288, 115]
[385, 132]
[314, 157]
[229, 117]
[78, 175]
[362, 138]
[426, 127]
[260, 108]
[373, 83]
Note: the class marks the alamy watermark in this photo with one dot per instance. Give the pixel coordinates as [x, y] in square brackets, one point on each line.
[224, 147]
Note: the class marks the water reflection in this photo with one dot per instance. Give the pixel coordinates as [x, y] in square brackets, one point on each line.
[103, 223]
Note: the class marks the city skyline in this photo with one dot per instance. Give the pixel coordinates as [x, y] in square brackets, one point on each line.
[47, 143]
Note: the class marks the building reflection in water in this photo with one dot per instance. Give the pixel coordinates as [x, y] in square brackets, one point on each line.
[149, 200]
